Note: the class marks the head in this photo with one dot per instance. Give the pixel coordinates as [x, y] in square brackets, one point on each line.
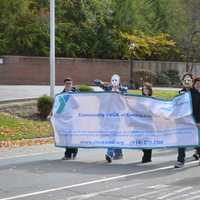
[115, 80]
[68, 84]
[196, 84]
[187, 80]
[147, 89]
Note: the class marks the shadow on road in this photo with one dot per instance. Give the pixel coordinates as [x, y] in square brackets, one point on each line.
[92, 168]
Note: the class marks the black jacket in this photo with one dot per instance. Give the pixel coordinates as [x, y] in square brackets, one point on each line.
[72, 90]
[196, 104]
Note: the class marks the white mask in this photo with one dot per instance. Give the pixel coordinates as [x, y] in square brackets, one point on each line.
[115, 80]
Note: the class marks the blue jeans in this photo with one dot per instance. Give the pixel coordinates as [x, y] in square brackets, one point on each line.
[114, 153]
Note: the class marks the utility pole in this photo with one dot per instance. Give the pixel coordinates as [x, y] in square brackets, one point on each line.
[52, 48]
[131, 50]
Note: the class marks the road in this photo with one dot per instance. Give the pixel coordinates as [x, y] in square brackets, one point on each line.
[37, 172]
[14, 92]
[20, 92]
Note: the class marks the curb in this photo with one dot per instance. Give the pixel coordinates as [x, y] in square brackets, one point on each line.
[17, 101]
[26, 142]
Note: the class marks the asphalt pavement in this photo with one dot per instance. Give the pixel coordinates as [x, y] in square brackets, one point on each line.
[38, 172]
[18, 92]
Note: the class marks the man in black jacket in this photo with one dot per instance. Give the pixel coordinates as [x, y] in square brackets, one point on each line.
[70, 152]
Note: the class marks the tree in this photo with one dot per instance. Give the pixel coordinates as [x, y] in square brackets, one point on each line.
[150, 47]
[92, 28]
[23, 31]
[190, 41]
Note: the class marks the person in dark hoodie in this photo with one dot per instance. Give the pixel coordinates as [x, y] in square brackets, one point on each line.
[195, 92]
[70, 153]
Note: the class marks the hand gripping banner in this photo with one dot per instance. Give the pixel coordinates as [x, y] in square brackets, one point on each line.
[125, 121]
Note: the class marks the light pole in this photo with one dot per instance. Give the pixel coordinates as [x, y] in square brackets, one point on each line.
[52, 48]
[131, 50]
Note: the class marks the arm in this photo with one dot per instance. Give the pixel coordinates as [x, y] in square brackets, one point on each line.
[123, 90]
[104, 85]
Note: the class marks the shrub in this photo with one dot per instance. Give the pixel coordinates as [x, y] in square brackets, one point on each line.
[173, 76]
[141, 76]
[163, 79]
[170, 77]
[44, 105]
[84, 88]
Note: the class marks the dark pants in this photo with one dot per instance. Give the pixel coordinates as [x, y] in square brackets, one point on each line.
[181, 155]
[71, 152]
[146, 155]
[198, 150]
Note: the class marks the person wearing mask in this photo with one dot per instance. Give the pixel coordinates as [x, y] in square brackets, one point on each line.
[114, 86]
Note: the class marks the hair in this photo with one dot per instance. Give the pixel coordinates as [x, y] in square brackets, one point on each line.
[67, 79]
[116, 76]
[149, 87]
[187, 74]
[196, 80]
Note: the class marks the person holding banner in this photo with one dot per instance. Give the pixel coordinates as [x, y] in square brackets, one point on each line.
[196, 109]
[187, 81]
[114, 86]
[147, 91]
[70, 153]
[194, 87]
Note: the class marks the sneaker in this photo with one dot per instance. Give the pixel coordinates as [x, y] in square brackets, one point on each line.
[74, 155]
[66, 158]
[118, 157]
[146, 161]
[196, 156]
[179, 165]
[108, 158]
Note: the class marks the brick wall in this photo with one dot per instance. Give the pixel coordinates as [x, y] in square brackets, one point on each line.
[35, 70]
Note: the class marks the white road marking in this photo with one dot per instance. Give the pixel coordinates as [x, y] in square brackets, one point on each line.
[174, 193]
[89, 195]
[185, 195]
[195, 197]
[92, 182]
[158, 186]
[147, 193]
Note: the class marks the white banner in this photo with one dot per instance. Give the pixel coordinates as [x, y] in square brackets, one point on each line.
[125, 121]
